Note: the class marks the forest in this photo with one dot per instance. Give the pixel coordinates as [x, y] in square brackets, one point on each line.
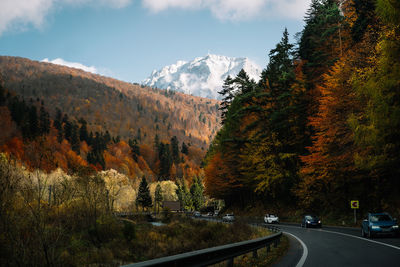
[322, 126]
[62, 180]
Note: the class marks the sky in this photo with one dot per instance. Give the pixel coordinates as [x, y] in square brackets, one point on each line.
[128, 39]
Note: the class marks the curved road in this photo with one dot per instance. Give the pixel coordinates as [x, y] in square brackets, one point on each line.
[337, 246]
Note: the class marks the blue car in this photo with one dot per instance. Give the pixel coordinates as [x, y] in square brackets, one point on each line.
[311, 221]
[379, 224]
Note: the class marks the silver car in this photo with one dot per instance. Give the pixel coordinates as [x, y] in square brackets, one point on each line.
[228, 218]
[271, 218]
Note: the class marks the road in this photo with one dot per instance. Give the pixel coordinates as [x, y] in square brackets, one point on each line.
[337, 246]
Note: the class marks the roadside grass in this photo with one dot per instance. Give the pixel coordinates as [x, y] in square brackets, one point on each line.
[264, 258]
[184, 234]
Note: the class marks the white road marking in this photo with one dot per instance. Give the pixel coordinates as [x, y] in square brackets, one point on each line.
[362, 238]
[305, 250]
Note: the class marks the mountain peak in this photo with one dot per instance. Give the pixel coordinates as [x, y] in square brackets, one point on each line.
[203, 76]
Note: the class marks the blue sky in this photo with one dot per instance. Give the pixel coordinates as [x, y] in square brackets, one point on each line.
[127, 39]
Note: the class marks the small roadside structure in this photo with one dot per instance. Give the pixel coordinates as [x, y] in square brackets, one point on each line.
[172, 205]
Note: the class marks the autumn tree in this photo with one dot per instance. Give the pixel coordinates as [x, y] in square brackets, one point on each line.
[376, 129]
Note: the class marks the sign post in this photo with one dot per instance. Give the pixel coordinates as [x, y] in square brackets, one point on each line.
[355, 204]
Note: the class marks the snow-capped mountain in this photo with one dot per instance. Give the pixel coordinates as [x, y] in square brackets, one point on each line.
[203, 76]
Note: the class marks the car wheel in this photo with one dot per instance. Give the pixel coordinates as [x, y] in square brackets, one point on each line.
[370, 235]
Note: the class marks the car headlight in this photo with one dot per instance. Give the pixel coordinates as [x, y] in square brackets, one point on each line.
[319, 221]
[308, 222]
[395, 227]
[374, 227]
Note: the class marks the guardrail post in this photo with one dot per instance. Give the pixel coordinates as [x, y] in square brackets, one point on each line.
[230, 262]
[255, 255]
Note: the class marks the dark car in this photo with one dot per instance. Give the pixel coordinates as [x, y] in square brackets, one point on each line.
[379, 224]
[311, 221]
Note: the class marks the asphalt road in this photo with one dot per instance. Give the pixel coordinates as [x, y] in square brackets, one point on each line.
[339, 246]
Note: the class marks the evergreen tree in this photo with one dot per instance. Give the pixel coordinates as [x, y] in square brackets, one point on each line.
[33, 122]
[83, 133]
[227, 94]
[158, 197]
[107, 138]
[2, 93]
[44, 118]
[184, 149]
[135, 150]
[179, 194]
[156, 142]
[58, 120]
[143, 197]
[75, 144]
[67, 129]
[164, 154]
[175, 150]
[196, 191]
[139, 135]
[243, 83]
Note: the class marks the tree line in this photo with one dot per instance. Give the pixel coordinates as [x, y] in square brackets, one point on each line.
[321, 127]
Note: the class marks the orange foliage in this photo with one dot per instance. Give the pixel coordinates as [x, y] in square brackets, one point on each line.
[218, 180]
[15, 147]
[7, 126]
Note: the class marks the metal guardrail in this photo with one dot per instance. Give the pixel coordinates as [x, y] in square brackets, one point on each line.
[215, 255]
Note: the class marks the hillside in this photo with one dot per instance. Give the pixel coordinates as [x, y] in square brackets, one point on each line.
[124, 109]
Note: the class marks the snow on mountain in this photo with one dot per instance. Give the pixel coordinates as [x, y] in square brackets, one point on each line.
[204, 76]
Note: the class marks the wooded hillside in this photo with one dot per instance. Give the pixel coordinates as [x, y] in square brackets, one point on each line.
[126, 110]
[321, 127]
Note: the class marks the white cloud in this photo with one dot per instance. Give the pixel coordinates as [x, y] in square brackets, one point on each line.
[18, 14]
[236, 9]
[60, 61]
[110, 3]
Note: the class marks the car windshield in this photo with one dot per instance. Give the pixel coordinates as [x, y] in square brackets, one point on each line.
[309, 217]
[380, 218]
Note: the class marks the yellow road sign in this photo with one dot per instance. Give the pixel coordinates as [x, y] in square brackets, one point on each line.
[354, 204]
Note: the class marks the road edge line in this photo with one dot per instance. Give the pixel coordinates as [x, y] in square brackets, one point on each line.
[305, 250]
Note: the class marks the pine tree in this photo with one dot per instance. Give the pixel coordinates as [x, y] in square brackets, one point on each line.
[175, 150]
[33, 122]
[44, 119]
[143, 197]
[243, 83]
[67, 129]
[75, 144]
[2, 93]
[158, 197]
[196, 191]
[227, 94]
[135, 150]
[184, 149]
[164, 154]
[83, 133]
